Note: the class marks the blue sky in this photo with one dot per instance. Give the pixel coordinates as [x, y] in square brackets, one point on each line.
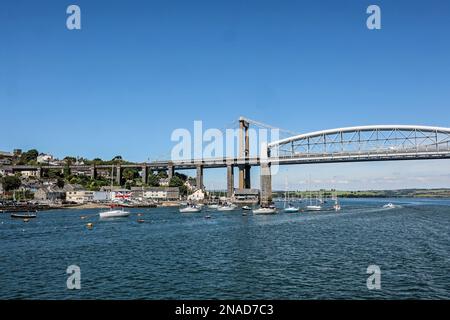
[137, 70]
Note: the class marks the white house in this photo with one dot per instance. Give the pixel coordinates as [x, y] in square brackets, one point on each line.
[44, 158]
[198, 195]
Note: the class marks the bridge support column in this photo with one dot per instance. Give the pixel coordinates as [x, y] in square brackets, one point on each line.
[266, 184]
[119, 175]
[199, 178]
[244, 177]
[144, 174]
[244, 153]
[230, 180]
[40, 172]
[170, 171]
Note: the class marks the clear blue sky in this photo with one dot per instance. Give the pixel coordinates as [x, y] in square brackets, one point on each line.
[140, 69]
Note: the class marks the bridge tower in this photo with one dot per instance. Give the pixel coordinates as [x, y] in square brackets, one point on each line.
[244, 153]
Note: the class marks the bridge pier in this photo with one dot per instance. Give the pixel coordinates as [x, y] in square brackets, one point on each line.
[244, 153]
[266, 184]
[199, 178]
[119, 175]
[230, 180]
[144, 174]
[170, 171]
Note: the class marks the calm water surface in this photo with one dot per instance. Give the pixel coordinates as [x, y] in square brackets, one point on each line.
[185, 256]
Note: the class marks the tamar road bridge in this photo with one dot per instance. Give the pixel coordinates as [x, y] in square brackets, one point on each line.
[350, 144]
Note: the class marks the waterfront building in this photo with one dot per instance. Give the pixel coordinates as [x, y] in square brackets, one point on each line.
[101, 196]
[80, 196]
[158, 193]
[198, 195]
[49, 193]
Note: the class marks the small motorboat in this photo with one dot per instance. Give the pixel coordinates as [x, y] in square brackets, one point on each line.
[190, 209]
[269, 210]
[114, 213]
[213, 206]
[23, 215]
[246, 208]
[389, 206]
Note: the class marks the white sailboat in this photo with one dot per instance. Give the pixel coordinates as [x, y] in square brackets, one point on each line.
[190, 209]
[114, 213]
[311, 207]
[337, 205]
[267, 210]
[227, 207]
[290, 208]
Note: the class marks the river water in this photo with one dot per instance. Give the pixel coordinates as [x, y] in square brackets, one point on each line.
[230, 256]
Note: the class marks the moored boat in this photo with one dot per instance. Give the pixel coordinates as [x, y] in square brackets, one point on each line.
[313, 208]
[265, 211]
[114, 213]
[227, 207]
[190, 209]
[23, 215]
[291, 209]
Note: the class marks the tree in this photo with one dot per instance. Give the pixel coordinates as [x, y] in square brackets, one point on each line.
[153, 180]
[11, 183]
[162, 175]
[29, 156]
[177, 182]
[182, 176]
[70, 160]
[130, 174]
[60, 183]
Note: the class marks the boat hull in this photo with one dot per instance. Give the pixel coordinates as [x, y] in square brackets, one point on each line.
[190, 210]
[265, 211]
[313, 208]
[114, 214]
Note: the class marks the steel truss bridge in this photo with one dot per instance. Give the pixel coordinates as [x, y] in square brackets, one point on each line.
[363, 143]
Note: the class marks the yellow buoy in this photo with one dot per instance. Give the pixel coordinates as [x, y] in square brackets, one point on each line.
[89, 225]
